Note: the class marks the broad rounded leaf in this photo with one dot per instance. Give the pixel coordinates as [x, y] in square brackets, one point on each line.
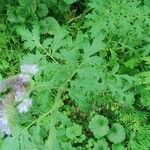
[42, 10]
[73, 131]
[99, 126]
[101, 145]
[117, 133]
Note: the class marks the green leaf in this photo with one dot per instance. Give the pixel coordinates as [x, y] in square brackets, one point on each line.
[27, 7]
[99, 126]
[32, 58]
[67, 146]
[25, 142]
[74, 131]
[117, 133]
[140, 139]
[118, 147]
[69, 1]
[59, 39]
[52, 141]
[31, 39]
[132, 62]
[145, 97]
[96, 46]
[50, 25]
[147, 59]
[64, 119]
[101, 145]
[10, 142]
[42, 10]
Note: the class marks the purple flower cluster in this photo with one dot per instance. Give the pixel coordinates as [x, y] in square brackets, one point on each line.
[4, 124]
[3, 86]
[21, 96]
[29, 69]
[24, 106]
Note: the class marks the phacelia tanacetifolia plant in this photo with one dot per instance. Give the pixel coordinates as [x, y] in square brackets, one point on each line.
[15, 92]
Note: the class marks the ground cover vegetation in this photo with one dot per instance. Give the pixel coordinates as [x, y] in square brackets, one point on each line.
[74, 74]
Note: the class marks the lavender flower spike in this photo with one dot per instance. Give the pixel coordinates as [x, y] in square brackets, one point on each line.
[29, 69]
[24, 106]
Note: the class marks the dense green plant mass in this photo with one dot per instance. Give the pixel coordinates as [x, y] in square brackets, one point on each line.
[90, 83]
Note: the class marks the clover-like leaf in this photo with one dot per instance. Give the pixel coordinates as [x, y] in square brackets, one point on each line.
[117, 133]
[99, 126]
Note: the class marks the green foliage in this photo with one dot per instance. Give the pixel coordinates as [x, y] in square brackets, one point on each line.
[140, 139]
[31, 40]
[27, 7]
[118, 147]
[69, 1]
[92, 90]
[145, 80]
[42, 10]
[73, 131]
[117, 133]
[99, 126]
[101, 145]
